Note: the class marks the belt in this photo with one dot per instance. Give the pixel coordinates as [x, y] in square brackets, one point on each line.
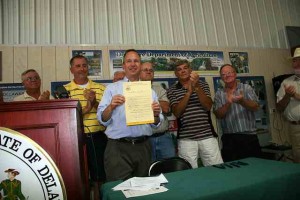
[295, 122]
[93, 133]
[158, 134]
[133, 140]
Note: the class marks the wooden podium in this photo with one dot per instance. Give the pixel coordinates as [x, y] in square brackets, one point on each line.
[56, 125]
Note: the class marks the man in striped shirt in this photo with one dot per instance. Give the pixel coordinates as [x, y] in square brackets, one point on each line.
[89, 94]
[190, 102]
[235, 105]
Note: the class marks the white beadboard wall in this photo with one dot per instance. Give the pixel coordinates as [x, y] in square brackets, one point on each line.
[220, 23]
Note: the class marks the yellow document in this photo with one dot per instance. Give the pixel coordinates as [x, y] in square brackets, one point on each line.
[138, 100]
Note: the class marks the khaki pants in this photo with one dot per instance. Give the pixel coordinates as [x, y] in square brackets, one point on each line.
[208, 150]
[294, 134]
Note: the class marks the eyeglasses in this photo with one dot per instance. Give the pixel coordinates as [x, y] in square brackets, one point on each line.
[148, 70]
[227, 73]
[34, 78]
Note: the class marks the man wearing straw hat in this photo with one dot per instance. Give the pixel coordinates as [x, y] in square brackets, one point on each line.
[288, 102]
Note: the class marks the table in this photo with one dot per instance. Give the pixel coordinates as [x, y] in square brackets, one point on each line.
[250, 178]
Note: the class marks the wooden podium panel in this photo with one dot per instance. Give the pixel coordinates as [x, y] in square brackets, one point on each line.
[56, 125]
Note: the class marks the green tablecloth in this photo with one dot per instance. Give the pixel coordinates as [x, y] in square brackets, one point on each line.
[260, 179]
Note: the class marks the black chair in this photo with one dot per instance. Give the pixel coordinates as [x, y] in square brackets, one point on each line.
[168, 165]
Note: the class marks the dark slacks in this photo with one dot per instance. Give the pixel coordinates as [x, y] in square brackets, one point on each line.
[239, 146]
[123, 160]
[96, 144]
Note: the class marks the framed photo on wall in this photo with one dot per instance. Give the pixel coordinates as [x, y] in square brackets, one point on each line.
[240, 61]
[204, 62]
[94, 58]
[11, 90]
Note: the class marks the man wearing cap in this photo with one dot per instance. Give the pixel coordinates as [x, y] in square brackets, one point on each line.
[288, 102]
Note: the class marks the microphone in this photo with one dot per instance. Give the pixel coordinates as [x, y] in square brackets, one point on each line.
[61, 93]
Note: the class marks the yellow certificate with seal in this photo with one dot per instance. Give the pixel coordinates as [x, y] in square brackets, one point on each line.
[138, 101]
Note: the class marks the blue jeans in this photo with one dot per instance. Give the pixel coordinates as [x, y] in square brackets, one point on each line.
[162, 146]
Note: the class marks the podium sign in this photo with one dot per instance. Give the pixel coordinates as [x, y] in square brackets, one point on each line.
[26, 170]
[56, 126]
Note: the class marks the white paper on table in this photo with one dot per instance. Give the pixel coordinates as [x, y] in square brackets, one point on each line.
[137, 193]
[142, 183]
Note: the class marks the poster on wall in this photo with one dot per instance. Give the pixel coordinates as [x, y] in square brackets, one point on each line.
[204, 62]
[239, 60]
[258, 84]
[11, 90]
[94, 58]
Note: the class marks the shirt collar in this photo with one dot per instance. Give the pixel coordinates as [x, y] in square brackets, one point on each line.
[297, 78]
[27, 96]
[178, 85]
[75, 86]
[125, 79]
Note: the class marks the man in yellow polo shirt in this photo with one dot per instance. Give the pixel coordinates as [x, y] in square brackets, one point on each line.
[89, 93]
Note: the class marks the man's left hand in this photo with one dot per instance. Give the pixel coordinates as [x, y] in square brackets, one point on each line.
[238, 98]
[90, 95]
[156, 109]
[194, 78]
[45, 95]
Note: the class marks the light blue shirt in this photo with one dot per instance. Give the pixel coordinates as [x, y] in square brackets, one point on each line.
[238, 119]
[116, 126]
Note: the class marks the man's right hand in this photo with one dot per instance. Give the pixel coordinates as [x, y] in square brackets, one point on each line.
[289, 90]
[116, 100]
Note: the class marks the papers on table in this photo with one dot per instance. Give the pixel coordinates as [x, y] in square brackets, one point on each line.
[137, 193]
[140, 186]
